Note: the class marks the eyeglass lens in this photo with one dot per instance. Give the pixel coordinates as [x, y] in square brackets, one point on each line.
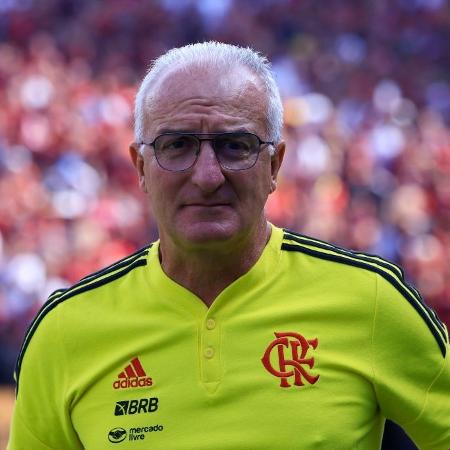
[235, 151]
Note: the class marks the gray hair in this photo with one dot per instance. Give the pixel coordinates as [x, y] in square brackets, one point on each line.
[218, 55]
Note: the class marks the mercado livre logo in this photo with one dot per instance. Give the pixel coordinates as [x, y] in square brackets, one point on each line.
[133, 376]
[117, 435]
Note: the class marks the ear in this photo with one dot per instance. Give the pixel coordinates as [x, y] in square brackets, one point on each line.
[275, 164]
[138, 162]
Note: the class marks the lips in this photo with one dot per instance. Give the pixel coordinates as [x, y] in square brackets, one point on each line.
[201, 208]
[207, 205]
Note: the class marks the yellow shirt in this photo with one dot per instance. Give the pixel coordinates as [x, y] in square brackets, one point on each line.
[312, 348]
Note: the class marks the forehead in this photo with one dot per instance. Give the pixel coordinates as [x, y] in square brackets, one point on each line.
[193, 96]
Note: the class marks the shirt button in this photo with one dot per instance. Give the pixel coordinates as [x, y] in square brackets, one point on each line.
[210, 324]
[209, 352]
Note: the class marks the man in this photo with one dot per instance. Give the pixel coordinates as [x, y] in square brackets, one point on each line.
[228, 333]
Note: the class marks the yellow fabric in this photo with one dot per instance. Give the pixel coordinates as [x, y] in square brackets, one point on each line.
[350, 350]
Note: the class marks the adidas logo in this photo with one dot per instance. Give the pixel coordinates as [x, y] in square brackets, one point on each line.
[133, 376]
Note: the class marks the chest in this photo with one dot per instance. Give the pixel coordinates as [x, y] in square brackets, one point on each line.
[274, 379]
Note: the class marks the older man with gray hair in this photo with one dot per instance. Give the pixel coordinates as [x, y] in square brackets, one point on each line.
[228, 332]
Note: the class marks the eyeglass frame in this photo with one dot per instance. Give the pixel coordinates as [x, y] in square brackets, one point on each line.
[214, 135]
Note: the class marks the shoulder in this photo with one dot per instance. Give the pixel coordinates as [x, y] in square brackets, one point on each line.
[94, 283]
[343, 258]
[391, 291]
[325, 251]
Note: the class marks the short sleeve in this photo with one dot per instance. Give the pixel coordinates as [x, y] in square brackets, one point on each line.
[410, 363]
[41, 418]
[22, 437]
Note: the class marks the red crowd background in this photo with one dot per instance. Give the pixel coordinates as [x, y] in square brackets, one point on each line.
[366, 92]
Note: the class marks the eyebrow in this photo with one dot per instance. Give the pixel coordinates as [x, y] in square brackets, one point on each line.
[187, 131]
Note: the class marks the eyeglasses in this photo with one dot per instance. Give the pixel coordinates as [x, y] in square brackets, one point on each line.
[234, 151]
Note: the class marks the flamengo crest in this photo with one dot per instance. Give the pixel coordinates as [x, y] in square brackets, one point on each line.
[290, 359]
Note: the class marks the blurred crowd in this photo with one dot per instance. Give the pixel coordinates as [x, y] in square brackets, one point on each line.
[366, 90]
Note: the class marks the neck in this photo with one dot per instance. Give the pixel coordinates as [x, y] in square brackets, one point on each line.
[206, 272]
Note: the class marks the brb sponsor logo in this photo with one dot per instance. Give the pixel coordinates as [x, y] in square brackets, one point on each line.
[117, 435]
[130, 407]
[133, 376]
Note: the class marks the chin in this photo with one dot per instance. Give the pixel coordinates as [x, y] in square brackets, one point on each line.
[208, 233]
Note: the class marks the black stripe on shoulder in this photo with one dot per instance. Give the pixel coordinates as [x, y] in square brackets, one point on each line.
[120, 263]
[124, 262]
[372, 259]
[361, 264]
[100, 278]
[302, 239]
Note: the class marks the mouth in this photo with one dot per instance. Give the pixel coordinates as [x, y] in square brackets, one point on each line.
[206, 205]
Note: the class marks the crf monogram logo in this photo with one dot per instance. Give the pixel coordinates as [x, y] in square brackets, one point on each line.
[291, 358]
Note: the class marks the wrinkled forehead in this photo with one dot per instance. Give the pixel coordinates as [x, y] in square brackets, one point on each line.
[237, 86]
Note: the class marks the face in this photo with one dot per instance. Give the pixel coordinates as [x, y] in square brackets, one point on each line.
[206, 205]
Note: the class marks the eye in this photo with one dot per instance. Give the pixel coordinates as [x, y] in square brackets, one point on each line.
[234, 143]
[177, 143]
[237, 144]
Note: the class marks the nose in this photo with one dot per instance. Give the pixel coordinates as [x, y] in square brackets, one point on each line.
[207, 173]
